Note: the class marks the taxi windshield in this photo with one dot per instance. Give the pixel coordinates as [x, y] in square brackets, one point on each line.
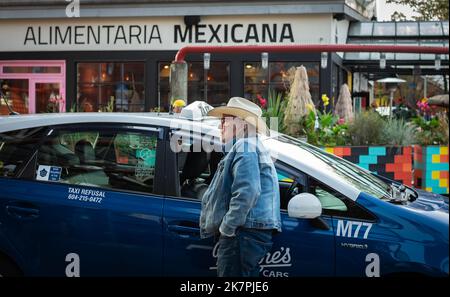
[361, 179]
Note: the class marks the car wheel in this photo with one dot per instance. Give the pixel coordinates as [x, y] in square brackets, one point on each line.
[8, 268]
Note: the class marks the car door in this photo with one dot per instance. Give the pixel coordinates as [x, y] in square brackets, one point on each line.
[16, 149]
[91, 205]
[305, 247]
[185, 253]
[353, 230]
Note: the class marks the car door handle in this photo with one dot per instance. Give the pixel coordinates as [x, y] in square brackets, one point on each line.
[22, 212]
[184, 229]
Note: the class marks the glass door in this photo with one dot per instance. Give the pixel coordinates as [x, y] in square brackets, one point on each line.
[48, 97]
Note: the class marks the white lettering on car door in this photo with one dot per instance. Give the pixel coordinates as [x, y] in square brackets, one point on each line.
[345, 228]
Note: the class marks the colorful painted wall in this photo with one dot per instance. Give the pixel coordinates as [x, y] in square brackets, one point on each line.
[391, 162]
[421, 167]
[431, 168]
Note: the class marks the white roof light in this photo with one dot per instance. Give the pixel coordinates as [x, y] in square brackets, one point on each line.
[195, 111]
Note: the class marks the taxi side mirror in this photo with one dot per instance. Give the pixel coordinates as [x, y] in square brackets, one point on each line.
[304, 206]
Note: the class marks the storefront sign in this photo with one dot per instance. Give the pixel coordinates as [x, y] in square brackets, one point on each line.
[160, 33]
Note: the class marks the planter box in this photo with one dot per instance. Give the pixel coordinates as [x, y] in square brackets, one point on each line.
[431, 168]
[389, 161]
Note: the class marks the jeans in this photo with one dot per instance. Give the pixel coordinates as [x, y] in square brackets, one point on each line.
[240, 255]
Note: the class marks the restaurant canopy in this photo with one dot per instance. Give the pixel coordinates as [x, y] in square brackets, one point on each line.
[420, 33]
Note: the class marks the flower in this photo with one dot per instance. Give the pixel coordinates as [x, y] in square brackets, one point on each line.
[325, 100]
[341, 121]
[310, 107]
[423, 104]
[262, 101]
[55, 101]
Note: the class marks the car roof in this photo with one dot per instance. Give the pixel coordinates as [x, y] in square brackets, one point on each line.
[17, 122]
[286, 152]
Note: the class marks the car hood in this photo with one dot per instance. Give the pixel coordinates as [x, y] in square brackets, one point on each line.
[431, 205]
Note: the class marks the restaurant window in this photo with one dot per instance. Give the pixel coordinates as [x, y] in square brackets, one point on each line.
[211, 86]
[32, 86]
[111, 86]
[258, 81]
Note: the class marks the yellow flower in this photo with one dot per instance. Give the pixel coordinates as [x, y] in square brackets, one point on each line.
[310, 107]
[424, 100]
[325, 100]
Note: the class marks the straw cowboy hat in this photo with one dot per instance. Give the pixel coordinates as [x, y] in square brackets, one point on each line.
[243, 109]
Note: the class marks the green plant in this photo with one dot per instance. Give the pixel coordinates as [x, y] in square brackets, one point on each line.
[443, 126]
[109, 107]
[366, 129]
[430, 132]
[73, 108]
[324, 129]
[274, 108]
[398, 132]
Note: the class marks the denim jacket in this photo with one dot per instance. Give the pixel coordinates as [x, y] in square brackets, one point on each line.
[243, 193]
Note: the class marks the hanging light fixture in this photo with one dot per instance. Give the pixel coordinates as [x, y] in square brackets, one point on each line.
[382, 60]
[264, 60]
[206, 60]
[437, 62]
[324, 60]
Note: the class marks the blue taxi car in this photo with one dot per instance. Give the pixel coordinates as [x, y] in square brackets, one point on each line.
[111, 194]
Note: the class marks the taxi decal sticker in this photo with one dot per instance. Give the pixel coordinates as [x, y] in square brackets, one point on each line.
[48, 173]
[85, 195]
[352, 229]
[145, 168]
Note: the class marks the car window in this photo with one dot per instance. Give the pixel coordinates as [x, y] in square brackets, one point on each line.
[336, 204]
[16, 148]
[328, 200]
[196, 170]
[361, 179]
[290, 181]
[123, 160]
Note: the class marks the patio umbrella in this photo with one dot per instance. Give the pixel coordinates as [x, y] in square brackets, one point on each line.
[441, 100]
[344, 108]
[298, 100]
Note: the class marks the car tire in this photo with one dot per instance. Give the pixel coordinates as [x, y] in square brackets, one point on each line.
[8, 268]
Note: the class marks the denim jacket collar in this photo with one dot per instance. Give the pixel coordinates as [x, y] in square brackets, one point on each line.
[226, 148]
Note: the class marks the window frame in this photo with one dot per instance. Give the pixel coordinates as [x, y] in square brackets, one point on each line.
[158, 190]
[98, 84]
[301, 177]
[269, 84]
[173, 187]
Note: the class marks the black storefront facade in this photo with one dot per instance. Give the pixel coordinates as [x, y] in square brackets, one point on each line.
[122, 63]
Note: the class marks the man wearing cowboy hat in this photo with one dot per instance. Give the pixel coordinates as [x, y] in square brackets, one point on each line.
[242, 203]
